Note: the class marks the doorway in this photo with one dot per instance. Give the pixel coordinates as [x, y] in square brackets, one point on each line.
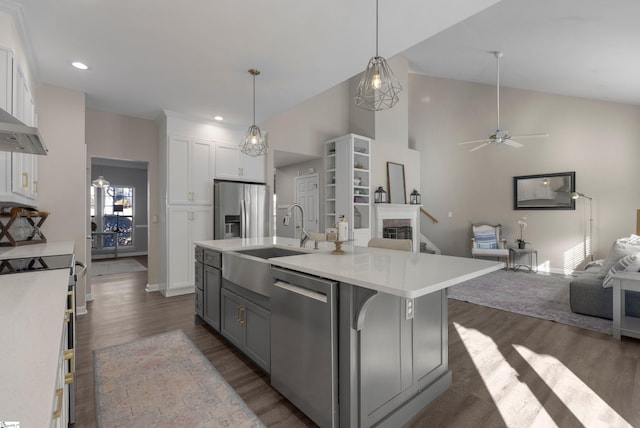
[118, 210]
[289, 168]
[307, 195]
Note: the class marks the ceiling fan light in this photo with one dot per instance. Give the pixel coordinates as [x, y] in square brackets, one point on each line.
[378, 88]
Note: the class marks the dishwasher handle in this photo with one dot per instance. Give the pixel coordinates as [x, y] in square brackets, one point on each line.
[321, 297]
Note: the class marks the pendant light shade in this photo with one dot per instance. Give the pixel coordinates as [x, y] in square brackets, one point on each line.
[378, 88]
[254, 144]
[100, 182]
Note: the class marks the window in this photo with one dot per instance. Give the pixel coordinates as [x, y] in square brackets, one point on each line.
[117, 215]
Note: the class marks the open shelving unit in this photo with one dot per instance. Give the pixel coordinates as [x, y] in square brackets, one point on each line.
[348, 184]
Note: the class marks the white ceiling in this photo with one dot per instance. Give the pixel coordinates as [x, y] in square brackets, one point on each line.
[192, 57]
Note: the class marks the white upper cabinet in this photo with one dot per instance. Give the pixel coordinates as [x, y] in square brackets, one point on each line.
[18, 182]
[190, 171]
[6, 81]
[15, 96]
[232, 164]
[23, 106]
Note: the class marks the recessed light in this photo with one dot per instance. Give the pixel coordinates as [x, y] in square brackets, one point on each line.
[218, 118]
[80, 65]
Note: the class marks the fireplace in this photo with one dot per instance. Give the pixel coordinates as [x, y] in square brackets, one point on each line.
[398, 221]
[399, 228]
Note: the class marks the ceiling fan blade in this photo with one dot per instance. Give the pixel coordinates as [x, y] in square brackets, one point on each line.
[510, 142]
[531, 136]
[480, 146]
[484, 140]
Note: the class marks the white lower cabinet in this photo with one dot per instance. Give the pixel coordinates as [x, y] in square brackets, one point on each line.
[60, 413]
[185, 224]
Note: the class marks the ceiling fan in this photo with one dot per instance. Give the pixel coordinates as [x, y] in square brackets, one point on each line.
[500, 136]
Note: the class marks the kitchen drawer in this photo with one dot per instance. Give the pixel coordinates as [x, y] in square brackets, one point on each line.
[199, 303]
[199, 275]
[199, 254]
[213, 258]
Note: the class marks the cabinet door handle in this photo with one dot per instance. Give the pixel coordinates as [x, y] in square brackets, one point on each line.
[240, 313]
[69, 355]
[58, 412]
[25, 180]
[35, 186]
[240, 171]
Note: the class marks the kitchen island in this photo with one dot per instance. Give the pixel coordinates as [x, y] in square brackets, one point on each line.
[379, 352]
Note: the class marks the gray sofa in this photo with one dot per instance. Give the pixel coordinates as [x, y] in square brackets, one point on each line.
[588, 297]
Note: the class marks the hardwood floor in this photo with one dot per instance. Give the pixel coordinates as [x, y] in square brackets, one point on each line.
[509, 370]
[123, 311]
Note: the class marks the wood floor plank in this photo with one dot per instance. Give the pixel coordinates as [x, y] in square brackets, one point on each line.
[545, 369]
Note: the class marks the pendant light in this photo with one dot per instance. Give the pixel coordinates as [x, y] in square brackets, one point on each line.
[100, 181]
[254, 144]
[378, 88]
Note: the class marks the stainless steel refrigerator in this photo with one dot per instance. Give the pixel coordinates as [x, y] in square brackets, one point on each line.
[240, 210]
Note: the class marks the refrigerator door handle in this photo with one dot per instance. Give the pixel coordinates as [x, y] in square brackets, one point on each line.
[243, 219]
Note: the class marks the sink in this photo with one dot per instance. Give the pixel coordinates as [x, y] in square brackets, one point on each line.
[251, 270]
[270, 252]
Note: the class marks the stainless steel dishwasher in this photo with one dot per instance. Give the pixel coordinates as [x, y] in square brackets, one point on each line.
[304, 344]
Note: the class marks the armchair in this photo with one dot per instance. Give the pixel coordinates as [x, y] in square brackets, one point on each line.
[487, 241]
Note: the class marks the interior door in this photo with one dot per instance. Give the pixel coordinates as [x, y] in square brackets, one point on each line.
[307, 194]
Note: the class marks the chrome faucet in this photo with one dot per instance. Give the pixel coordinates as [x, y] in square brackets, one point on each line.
[304, 236]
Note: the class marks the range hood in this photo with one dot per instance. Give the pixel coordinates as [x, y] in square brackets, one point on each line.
[18, 137]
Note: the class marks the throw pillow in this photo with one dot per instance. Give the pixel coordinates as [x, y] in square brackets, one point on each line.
[630, 263]
[621, 247]
[486, 238]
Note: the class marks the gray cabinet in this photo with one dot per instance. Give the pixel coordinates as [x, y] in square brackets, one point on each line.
[212, 283]
[199, 281]
[208, 281]
[391, 363]
[247, 326]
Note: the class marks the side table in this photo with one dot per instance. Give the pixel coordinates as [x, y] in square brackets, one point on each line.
[513, 252]
[623, 324]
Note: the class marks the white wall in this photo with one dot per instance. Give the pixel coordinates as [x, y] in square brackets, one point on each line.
[123, 137]
[62, 173]
[304, 128]
[598, 140]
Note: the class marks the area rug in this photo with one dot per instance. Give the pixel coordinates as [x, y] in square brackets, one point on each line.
[164, 381]
[543, 296]
[115, 266]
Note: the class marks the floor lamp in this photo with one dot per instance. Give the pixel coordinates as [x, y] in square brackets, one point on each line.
[576, 195]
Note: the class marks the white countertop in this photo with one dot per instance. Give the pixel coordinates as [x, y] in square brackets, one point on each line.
[37, 250]
[399, 273]
[32, 306]
[271, 241]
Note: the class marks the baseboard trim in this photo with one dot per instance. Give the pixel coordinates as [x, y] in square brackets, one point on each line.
[414, 405]
[178, 291]
[100, 256]
[81, 310]
[151, 288]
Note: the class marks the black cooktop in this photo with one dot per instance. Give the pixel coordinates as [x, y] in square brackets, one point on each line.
[30, 264]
